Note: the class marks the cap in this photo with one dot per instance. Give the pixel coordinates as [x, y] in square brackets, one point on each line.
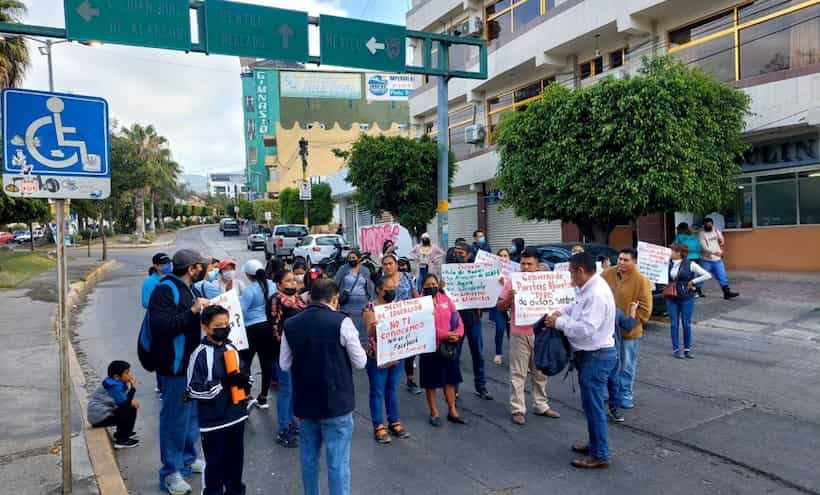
[425, 235]
[187, 257]
[252, 266]
[225, 263]
[160, 259]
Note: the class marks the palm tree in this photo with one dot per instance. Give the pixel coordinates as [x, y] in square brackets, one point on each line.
[152, 158]
[14, 59]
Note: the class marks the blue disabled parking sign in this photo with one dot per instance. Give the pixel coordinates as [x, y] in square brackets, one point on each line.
[55, 145]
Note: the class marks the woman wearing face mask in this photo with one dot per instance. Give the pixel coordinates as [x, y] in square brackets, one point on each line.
[427, 257]
[355, 290]
[227, 279]
[256, 311]
[404, 290]
[501, 320]
[438, 370]
[285, 303]
[384, 380]
[517, 249]
[299, 270]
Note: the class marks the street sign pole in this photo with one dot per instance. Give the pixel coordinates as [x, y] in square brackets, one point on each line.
[63, 343]
[443, 163]
[303, 151]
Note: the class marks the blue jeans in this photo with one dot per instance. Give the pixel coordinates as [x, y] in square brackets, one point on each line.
[336, 434]
[680, 310]
[629, 367]
[717, 270]
[613, 382]
[594, 369]
[384, 387]
[284, 401]
[500, 320]
[476, 342]
[178, 428]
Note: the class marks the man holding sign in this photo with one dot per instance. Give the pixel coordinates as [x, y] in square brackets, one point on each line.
[522, 350]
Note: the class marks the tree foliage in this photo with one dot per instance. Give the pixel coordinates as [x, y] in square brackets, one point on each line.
[320, 207]
[14, 56]
[290, 207]
[260, 206]
[668, 139]
[397, 175]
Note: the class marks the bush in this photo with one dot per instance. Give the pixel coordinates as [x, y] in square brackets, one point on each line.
[17, 226]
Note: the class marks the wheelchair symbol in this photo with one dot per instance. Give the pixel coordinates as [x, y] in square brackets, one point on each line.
[90, 163]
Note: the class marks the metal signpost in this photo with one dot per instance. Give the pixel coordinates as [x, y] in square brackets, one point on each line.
[366, 45]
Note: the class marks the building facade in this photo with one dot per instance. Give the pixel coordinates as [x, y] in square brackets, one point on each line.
[231, 185]
[768, 48]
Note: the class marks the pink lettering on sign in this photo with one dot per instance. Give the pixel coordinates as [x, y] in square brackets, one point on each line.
[372, 237]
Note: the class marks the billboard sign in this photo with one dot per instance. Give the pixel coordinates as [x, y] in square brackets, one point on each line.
[390, 87]
[305, 84]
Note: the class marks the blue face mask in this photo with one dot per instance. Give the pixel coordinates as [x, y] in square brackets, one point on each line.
[513, 249]
[167, 268]
[212, 275]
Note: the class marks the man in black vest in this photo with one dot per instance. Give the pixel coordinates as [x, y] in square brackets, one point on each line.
[320, 348]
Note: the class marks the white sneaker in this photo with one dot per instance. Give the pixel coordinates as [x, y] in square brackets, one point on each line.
[198, 466]
[251, 402]
[498, 359]
[176, 485]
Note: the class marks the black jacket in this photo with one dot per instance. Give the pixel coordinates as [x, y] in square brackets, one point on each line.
[206, 370]
[175, 330]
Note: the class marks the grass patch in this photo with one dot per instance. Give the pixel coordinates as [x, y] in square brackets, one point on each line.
[17, 267]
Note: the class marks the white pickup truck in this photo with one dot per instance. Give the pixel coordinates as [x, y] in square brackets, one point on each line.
[283, 239]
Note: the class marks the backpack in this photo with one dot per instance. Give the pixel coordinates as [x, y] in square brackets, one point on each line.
[552, 350]
[147, 359]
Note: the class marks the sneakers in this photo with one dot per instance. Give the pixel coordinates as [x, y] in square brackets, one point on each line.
[175, 485]
[398, 431]
[287, 439]
[484, 394]
[678, 355]
[262, 402]
[498, 359]
[413, 388]
[699, 292]
[615, 415]
[251, 403]
[126, 444]
[380, 435]
[198, 466]
[688, 355]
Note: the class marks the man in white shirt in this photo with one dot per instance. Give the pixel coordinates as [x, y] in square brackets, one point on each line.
[589, 325]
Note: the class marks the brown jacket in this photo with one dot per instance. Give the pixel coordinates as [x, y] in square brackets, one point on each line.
[627, 289]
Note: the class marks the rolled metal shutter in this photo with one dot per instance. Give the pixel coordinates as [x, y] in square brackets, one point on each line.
[463, 217]
[503, 226]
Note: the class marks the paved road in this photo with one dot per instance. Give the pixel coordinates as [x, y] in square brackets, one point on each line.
[742, 418]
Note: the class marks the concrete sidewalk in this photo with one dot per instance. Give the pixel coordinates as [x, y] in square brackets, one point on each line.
[29, 391]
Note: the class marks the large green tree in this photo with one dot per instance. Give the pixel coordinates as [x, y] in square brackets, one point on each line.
[14, 57]
[397, 175]
[260, 206]
[26, 211]
[668, 139]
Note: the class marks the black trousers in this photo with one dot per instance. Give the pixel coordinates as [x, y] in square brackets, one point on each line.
[261, 343]
[124, 418]
[224, 451]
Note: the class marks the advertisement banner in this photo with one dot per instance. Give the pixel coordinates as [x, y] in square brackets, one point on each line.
[342, 85]
[230, 301]
[472, 285]
[390, 87]
[506, 266]
[404, 328]
[540, 293]
[653, 262]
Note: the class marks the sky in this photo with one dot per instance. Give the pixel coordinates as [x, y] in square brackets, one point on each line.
[192, 99]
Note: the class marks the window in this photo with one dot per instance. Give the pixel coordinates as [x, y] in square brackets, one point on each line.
[591, 68]
[616, 58]
[809, 192]
[459, 119]
[776, 200]
[252, 155]
[517, 99]
[761, 37]
[250, 105]
[331, 240]
[506, 17]
[739, 214]
[251, 129]
[220, 189]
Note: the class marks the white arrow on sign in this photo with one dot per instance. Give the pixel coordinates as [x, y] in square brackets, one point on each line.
[374, 45]
[286, 33]
[87, 11]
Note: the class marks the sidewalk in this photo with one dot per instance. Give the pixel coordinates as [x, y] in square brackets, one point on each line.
[29, 391]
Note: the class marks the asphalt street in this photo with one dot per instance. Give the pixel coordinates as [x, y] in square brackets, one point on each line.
[742, 418]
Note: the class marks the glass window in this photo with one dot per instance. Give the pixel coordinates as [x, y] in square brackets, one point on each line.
[701, 29]
[616, 59]
[252, 155]
[585, 70]
[738, 215]
[524, 12]
[498, 7]
[251, 129]
[500, 28]
[458, 144]
[599, 65]
[809, 183]
[528, 91]
[461, 115]
[591, 68]
[328, 241]
[776, 200]
[494, 120]
[783, 43]
[500, 101]
[250, 105]
[760, 8]
[715, 56]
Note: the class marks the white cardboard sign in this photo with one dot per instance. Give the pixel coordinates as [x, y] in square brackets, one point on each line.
[472, 285]
[230, 301]
[540, 293]
[404, 328]
[506, 266]
[653, 262]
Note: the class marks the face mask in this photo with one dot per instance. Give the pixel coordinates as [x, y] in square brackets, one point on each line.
[707, 228]
[513, 249]
[404, 269]
[430, 291]
[425, 242]
[167, 268]
[229, 275]
[300, 278]
[221, 334]
[481, 240]
[289, 292]
[389, 296]
[353, 263]
[212, 275]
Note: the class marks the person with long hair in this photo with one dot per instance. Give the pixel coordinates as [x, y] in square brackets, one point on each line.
[427, 257]
[687, 237]
[686, 275]
[501, 319]
[355, 290]
[404, 290]
[256, 311]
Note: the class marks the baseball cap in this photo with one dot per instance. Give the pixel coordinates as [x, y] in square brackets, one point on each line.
[252, 266]
[160, 259]
[187, 257]
[223, 264]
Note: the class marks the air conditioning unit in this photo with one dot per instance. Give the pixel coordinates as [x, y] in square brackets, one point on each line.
[475, 134]
[474, 27]
[404, 127]
[364, 127]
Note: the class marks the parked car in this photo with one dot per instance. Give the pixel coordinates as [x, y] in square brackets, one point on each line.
[313, 249]
[230, 227]
[6, 237]
[222, 223]
[257, 238]
[283, 240]
[551, 254]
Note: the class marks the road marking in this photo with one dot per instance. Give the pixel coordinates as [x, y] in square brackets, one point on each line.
[792, 333]
[733, 325]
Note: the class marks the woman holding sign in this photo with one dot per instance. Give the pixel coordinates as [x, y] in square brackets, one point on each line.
[501, 320]
[684, 276]
[404, 291]
[384, 380]
[440, 369]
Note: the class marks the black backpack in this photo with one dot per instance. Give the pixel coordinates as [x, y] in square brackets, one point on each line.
[552, 350]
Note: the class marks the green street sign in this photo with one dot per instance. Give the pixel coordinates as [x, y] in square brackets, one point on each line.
[152, 23]
[247, 30]
[362, 44]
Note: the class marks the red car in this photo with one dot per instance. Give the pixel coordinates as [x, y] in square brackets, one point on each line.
[6, 237]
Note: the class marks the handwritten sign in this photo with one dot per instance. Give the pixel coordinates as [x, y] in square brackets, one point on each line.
[230, 301]
[540, 293]
[372, 238]
[472, 285]
[653, 262]
[506, 266]
[404, 328]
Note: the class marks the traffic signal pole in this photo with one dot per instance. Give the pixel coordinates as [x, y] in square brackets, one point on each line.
[303, 152]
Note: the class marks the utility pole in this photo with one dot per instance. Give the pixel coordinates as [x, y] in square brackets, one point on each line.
[303, 152]
[443, 138]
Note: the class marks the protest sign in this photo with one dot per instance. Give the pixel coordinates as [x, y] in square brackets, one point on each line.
[472, 285]
[653, 262]
[564, 267]
[540, 293]
[506, 266]
[404, 328]
[372, 238]
[230, 301]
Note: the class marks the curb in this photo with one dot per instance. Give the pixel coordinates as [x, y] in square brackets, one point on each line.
[147, 246]
[100, 451]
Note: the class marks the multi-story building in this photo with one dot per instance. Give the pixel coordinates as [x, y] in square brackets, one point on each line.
[231, 185]
[329, 109]
[768, 48]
